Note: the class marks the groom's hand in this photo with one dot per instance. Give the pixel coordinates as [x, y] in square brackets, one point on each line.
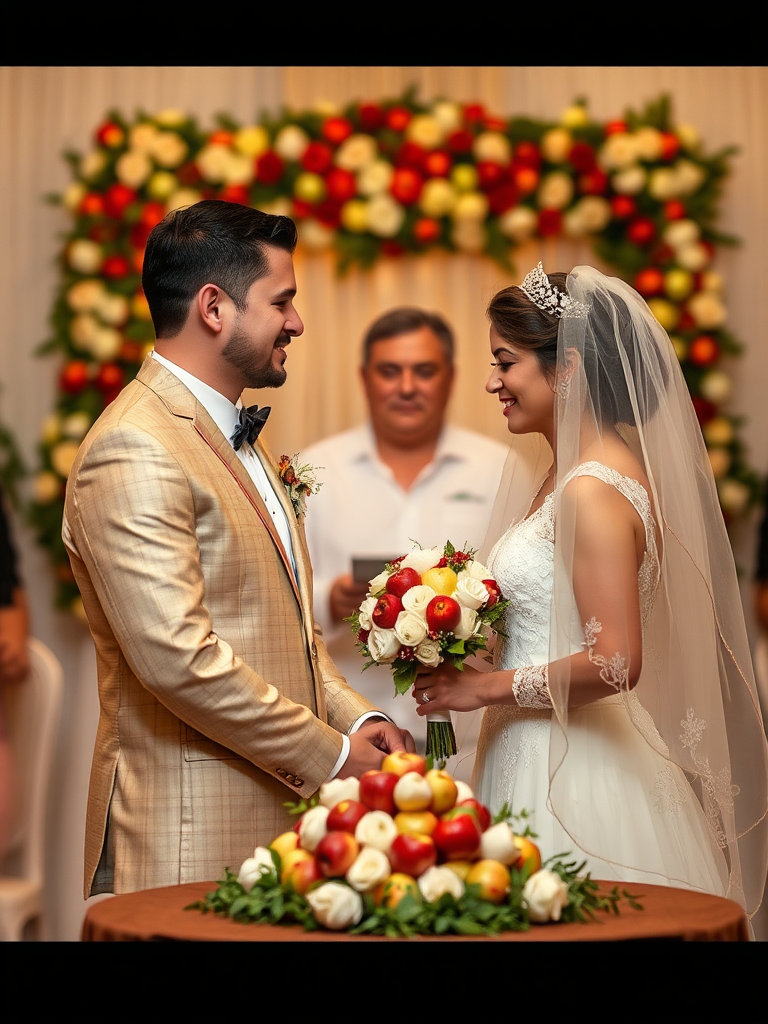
[369, 745]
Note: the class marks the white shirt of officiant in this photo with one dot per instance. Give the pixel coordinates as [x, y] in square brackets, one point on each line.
[226, 417]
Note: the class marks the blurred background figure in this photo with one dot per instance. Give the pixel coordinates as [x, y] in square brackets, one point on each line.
[403, 477]
[14, 659]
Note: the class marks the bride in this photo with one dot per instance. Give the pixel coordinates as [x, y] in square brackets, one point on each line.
[621, 708]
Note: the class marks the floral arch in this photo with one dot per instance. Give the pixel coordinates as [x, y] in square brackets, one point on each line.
[374, 181]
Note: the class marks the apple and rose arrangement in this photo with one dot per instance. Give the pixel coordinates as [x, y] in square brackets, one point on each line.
[406, 850]
[426, 607]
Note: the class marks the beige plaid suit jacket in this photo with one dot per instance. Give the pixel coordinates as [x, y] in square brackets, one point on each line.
[218, 699]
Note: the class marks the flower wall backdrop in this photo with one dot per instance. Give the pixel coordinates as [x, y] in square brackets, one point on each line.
[375, 181]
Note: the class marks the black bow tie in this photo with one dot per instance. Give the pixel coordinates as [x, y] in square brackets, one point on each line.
[249, 425]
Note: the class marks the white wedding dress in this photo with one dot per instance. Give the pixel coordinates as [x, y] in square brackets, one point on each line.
[617, 801]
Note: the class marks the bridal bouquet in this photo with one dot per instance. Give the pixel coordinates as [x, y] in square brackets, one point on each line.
[430, 606]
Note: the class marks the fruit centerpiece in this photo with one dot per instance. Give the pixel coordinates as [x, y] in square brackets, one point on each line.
[407, 850]
[426, 607]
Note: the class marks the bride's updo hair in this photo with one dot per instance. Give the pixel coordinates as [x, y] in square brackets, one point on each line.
[608, 341]
[516, 320]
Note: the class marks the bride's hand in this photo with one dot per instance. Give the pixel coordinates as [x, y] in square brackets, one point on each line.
[445, 688]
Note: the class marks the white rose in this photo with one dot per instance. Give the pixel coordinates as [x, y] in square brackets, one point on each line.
[366, 611]
[555, 191]
[182, 197]
[467, 624]
[448, 114]
[378, 583]
[734, 495]
[141, 136]
[385, 215]
[333, 792]
[85, 295]
[630, 181]
[254, 867]
[62, 457]
[369, 869]
[291, 142]
[720, 460]
[212, 161]
[417, 598]
[314, 235]
[469, 236]
[545, 895]
[464, 791]
[168, 149]
[498, 843]
[133, 168]
[356, 152]
[377, 829]
[693, 257]
[492, 146]
[519, 223]
[708, 310]
[716, 386]
[410, 628]
[76, 425]
[589, 215]
[556, 145]
[470, 592]
[313, 826]
[428, 653]
[718, 431]
[82, 330]
[171, 117]
[112, 308]
[663, 184]
[85, 256]
[681, 232]
[619, 150]
[422, 559]
[335, 906]
[690, 176]
[425, 130]
[238, 170]
[105, 344]
[688, 135]
[471, 207]
[46, 487]
[73, 195]
[436, 881]
[375, 178]
[383, 645]
[92, 164]
[649, 143]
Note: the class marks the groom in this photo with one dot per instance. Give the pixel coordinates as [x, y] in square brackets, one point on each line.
[218, 700]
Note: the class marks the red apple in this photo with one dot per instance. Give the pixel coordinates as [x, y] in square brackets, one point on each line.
[457, 836]
[482, 812]
[412, 854]
[443, 614]
[376, 789]
[345, 816]
[494, 593]
[401, 761]
[336, 853]
[402, 580]
[388, 607]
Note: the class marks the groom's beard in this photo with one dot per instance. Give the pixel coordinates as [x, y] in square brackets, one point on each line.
[256, 370]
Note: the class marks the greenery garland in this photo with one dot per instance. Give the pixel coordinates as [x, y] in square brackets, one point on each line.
[376, 180]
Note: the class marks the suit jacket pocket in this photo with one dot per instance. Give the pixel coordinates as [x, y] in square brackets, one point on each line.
[197, 747]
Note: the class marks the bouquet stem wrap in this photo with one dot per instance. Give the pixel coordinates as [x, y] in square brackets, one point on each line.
[441, 739]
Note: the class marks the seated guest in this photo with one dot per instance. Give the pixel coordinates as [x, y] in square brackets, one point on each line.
[403, 476]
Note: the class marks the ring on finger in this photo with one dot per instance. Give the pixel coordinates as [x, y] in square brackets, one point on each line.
[425, 698]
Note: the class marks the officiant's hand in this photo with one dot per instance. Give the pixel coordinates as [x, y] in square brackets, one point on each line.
[371, 743]
[345, 597]
[445, 688]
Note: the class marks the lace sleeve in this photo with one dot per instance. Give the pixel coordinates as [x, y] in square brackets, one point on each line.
[530, 687]
[613, 671]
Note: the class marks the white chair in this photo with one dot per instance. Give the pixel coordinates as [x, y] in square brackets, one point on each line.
[33, 711]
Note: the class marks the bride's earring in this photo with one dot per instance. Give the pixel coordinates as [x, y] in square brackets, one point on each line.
[563, 385]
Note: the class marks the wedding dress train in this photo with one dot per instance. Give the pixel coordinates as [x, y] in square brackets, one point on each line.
[615, 800]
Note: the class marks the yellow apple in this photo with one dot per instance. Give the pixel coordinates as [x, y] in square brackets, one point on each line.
[444, 790]
[416, 822]
[284, 843]
[392, 889]
[442, 581]
[460, 867]
[493, 879]
[530, 856]
[401, 761]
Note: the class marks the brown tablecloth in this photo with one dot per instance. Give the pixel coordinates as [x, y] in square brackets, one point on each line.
[159, 915]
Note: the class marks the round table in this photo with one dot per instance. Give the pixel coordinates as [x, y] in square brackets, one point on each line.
[159, 915]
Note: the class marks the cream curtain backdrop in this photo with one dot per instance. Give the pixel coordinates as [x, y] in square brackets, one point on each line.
[45, 110]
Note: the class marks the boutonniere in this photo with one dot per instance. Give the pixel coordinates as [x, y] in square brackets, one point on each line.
[299, 480]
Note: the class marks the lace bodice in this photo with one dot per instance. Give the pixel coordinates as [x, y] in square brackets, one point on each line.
[522, 562]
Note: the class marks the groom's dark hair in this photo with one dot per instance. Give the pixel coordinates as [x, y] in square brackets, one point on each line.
[224, 243]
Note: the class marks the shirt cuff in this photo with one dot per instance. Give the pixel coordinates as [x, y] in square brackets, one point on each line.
[345, 739]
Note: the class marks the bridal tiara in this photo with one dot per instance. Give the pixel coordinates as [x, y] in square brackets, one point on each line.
[546, 296]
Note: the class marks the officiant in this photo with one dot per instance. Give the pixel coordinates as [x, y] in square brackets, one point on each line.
[405, 475]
